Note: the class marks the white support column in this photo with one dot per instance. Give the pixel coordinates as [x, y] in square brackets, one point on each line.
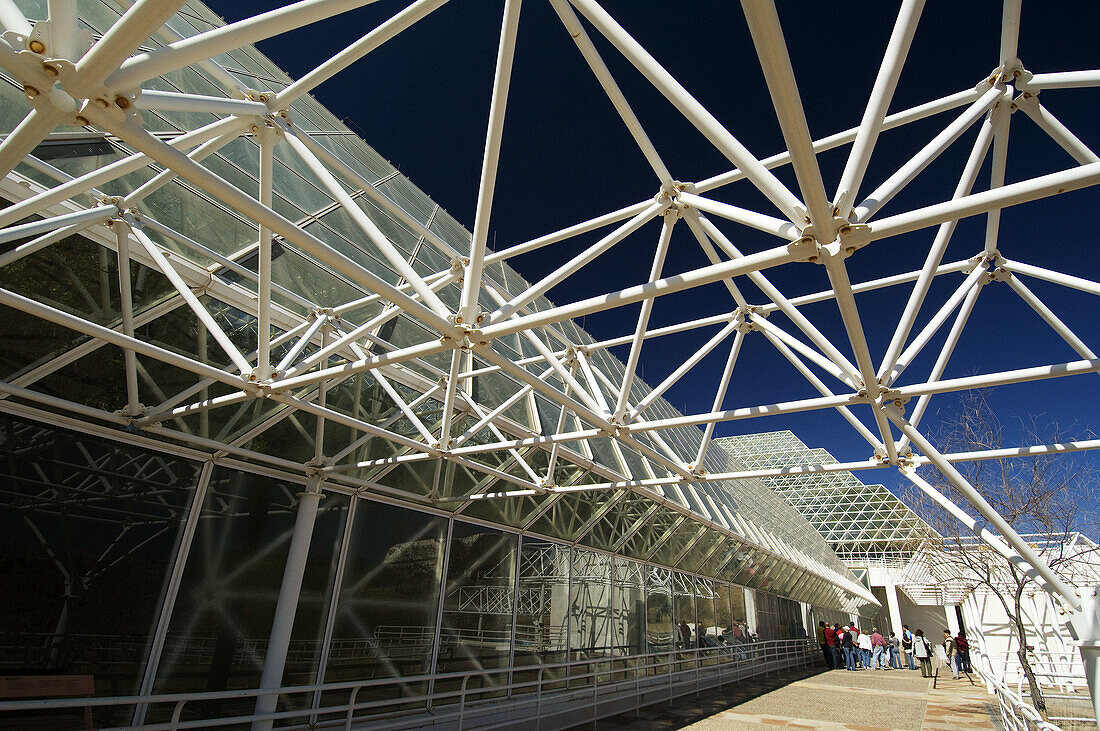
[287, 605]
[894, 607]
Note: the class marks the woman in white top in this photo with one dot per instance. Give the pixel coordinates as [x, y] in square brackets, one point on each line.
[865, 650]
[923, 652]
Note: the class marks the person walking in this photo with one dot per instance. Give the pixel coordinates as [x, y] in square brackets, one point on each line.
[907, 646]
[878, 650]
[893, 645]
[952, 656]
[962, 650]
[923, 652]
[865, 648]
[824, 645]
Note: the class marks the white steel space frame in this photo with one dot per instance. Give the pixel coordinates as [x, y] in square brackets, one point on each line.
[100, 88]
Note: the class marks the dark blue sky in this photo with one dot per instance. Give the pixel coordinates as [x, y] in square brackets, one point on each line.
[422, 101]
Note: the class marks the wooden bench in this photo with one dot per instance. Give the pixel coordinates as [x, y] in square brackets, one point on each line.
[23, 687]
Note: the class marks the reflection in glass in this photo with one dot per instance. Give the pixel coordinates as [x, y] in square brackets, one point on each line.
[628, 608]
[477, 605]
[89, 529]
[590, 605]
[386, 612]
[218, 634]
[542, 619]
[660, 629]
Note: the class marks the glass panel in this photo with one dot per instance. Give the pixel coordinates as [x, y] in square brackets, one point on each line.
[590, 605]
[218, 634]
[542, 621]
[84, 523]
[477, 606]
[386, 614]
[628, 608]
[661, 630]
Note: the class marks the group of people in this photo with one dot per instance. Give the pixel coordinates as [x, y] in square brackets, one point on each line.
[847, 648]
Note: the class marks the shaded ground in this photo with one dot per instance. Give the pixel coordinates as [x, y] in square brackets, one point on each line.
[836, 700]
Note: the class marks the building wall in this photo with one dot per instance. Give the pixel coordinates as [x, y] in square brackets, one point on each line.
[986, 620]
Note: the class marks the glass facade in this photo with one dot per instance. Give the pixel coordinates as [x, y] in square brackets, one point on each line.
[169, 522]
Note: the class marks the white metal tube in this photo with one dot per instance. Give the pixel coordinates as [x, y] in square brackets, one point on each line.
[939, 246]
[1063, 80]
[231, 195]
[203, 315]
[775, 61]
[894, 184]
[38, 123]
[172, 101]
[402, 406]
[901, 37]
[449, 399]
[1010, 33]
[1054, 583]
[302, 342]
[818, 384]
[801, 321]
[107, 173]
[667, 285]
[576, 263]
[693, 111]
[357, 50]
[1050, 124]
[977, 203]
[50, 314]
[214, 42]
[127, 34]
[287, 604]
[921, 111]
[1002, 114]
[643, 318]
[369, 190]
[492, 415]
[566, 233]
[759, 221]
[83, 218]
[684, 367]
[944, 356]
[263, 265]
[365, 224]
[64, 29]
[126, 307]
[934, 324]
[992, 539]
[468, 310]
[1051, 319]
[611, 89]
[849, 314]
[871, 285]
[1066, 280]
[12, 18]
[770, 328]
[720, 395]
[164, 177]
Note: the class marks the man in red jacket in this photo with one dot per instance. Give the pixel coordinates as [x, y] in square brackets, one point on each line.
[830, 646]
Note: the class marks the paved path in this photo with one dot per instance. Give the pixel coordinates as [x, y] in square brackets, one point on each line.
[835, 700]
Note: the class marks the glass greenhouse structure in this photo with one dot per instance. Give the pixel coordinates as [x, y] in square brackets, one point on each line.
[151, 508]
[284, 443]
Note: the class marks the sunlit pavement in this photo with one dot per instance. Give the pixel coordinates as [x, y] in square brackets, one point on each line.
[866, 700]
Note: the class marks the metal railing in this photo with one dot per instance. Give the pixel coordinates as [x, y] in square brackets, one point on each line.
[543, 696]
[1016, 713]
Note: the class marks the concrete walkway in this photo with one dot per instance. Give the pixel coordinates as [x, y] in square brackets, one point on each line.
[829, 700]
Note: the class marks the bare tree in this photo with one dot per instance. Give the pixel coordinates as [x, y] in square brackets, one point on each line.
[1050, 497]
